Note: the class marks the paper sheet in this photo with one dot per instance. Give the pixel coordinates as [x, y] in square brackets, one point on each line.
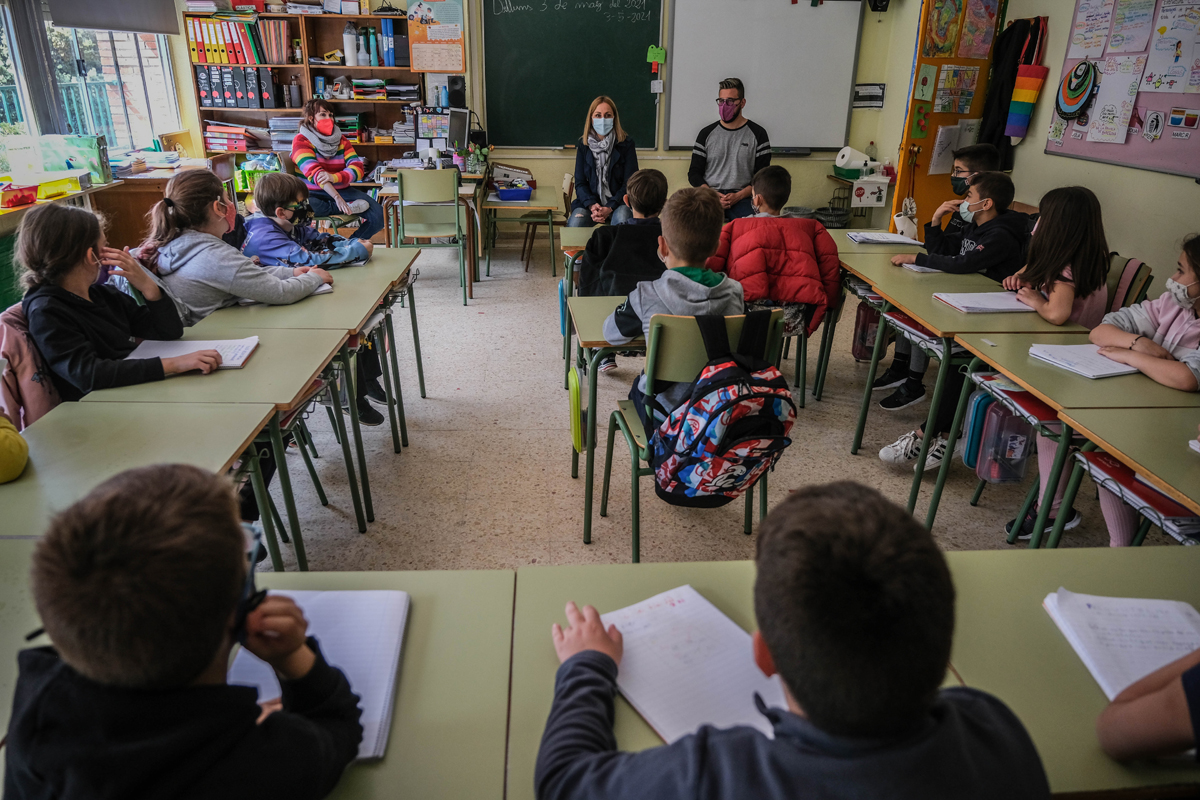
[968, 132]
[1132, 22]
[941, 160]
[1082, 359]
[234, 352]
[1123, 639]
[686, 664]
[1090, 33]
[919, 268]
[879, 237]
[362, 634]
[1174, 49]
[983, 302]
[1113, 104]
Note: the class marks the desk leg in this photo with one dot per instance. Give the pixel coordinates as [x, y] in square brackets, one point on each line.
[1060, 459]
[960, 412]
[339, 423]
[285, 486]
[356, 428]
[880, 339]
[828, 330]
[412, 315]
[264, 509]
[399, 394]
[377, 336]
[935, 404]
[553, 260]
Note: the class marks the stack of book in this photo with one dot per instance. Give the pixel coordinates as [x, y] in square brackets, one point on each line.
[404, 132]
[126, 165]
[368, 89]
[221, 137]
[351, 125]
[168, 159]
[283, 131]
[208, 6]
[304, 8]
[403, 92]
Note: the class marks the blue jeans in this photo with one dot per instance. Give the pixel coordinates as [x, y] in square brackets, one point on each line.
[371, 220]
[742, 208]
[582, 217]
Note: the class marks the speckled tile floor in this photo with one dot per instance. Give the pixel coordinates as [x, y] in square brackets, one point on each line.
[486, 482]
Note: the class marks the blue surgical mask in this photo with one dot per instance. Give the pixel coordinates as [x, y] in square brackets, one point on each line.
[602, 125]
[964, 211]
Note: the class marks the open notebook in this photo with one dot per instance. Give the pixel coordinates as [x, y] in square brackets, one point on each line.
[919, 268]
[361, 633]
[234, 352]
[1082, 359]
[686, 664]
[879, 237]
[983, 302]
[1123, 639]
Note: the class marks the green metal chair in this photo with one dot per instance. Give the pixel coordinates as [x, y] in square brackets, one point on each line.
[675, 352]
[437, 213]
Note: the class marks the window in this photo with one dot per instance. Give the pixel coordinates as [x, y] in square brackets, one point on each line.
[15, 119]
[114, 83]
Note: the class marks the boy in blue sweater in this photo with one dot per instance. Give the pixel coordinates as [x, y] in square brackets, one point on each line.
[278, 233]
[856, 612]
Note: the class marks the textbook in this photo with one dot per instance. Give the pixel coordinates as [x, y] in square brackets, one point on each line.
[1123, 639]
[686, 664]
[362, 634]
[1082, 359]
[983, 302]
[877, 237]
[324, 288]
[918, 268]
[234, 352]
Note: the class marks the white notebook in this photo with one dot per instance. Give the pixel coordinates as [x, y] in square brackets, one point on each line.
[878, 237]
[1192, 443]
[983, 302]
[362, 634]
[1082, 359]
[234, 352]
[324, 288]
[1123, 639]
[686, 664]
[919, 268]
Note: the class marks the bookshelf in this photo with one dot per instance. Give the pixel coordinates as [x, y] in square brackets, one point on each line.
[319, 34]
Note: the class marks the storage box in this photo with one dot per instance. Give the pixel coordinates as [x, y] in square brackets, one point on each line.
[15, 196]
[513, 195]
[848, 174]
[57, 187]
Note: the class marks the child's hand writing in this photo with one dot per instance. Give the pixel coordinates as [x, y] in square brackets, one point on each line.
[276, 632]
[121, 263]
[585, 631]
[204, 360]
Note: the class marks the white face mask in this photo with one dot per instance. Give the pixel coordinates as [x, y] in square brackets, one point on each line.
[1179, 293]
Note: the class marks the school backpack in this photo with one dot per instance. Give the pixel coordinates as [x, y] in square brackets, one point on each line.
[732, 427]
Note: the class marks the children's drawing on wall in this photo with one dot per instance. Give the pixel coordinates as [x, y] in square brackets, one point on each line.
[1090, 33]
[956, 89]
[1174, 61]
[1057, 129]
[923, 85]
[1113, 106]
[979, 27]
[941, 32]
[1132, 22]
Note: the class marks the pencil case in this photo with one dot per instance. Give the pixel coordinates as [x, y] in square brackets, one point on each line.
[977, 408]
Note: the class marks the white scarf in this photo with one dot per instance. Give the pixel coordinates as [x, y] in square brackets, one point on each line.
[602, 151]
[326, 146]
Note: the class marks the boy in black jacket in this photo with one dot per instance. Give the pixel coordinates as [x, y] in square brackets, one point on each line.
[618, 257]
[142, 586]
[856, 609]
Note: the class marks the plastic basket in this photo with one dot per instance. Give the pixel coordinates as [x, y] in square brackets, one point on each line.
[800, 212]
[246, 179]
[832, 217]
[514, 195]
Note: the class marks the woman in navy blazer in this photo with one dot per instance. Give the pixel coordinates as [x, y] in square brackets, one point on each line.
[604, 160]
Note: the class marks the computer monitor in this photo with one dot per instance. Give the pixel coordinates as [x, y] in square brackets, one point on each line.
[460, 127]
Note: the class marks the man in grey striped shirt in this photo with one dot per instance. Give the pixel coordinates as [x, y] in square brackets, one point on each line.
[730, 151]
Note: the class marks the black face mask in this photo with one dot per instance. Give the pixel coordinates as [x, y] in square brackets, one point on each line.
[959, 183]
[301, 213]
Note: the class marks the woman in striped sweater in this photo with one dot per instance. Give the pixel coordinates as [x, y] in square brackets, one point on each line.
[329, 165]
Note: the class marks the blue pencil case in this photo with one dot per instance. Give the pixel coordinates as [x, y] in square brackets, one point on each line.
[977, 407]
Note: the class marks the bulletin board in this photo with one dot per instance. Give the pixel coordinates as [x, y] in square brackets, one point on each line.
[951, 68]
[1148, 55]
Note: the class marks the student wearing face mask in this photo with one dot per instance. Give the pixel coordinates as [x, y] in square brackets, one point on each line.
[329, 164]
[730, 152]
[604, 159]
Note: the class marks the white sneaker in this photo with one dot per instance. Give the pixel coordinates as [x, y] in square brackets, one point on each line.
[937, 452]
[359, 206]
[903, 450]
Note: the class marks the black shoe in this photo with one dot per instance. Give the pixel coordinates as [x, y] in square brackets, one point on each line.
[891, 378]
[903, 397]
[375, 392]
[1031, 518]
[367, 415]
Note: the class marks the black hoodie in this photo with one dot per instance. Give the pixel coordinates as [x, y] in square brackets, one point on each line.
[619, 257]
[996, 248]
[70, 737]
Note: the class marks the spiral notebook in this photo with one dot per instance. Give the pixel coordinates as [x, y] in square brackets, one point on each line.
[686, 664]
[362, 634]
[234, 352]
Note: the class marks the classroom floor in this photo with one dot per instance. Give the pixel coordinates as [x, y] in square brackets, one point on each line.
[486, 481]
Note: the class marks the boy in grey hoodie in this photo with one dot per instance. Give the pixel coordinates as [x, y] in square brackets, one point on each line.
[691, 229]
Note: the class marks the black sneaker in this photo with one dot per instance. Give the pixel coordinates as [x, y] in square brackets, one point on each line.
[891, 378]
[367, 415]
[375, 392]
[903, 397]
[1031, 518]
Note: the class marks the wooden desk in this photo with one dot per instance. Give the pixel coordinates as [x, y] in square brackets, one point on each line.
[587, 318]
[78, 445]
[1006, 644]
[10, 218]
[1153, 443]
[126, 205]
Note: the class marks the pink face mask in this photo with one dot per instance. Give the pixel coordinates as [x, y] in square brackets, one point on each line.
[728, 113]
[325, 127]
[231, 214]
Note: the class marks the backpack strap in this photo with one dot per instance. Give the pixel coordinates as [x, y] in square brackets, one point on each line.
[1128, 272]
[716, 338]
[753, 343]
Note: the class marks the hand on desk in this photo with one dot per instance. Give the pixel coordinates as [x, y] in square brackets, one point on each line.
[276, 632]
[1014, 282]
[585, 631]
[1030, 297]
[325, 276]
[204, 360]
[904, 258]
[124, 265]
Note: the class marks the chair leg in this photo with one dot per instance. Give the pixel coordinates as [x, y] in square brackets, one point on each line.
[1024, 510]
[1140, 536]
[307, 438]
[264, 502]
[356, 428]
[1060, 522]
[312, 470]
[278, 520]
[762, 497]
[1060, 460]
[336, 436]
[285, 487]
[412, 315]
[801, 364]
[635, 505]
[462, 270]
[378, 340]
[612, 434]
[787, 346]
[876, 354]
[397, 392]
[747, 524]
[978, 491]
[550, 235]
[828, 328]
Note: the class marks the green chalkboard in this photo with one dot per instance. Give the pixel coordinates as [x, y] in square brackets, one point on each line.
[546, 60]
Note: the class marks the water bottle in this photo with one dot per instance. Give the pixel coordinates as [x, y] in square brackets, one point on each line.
[872, 152]
[350, 45]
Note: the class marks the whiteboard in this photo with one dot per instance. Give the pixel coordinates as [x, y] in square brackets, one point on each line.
[797, 62]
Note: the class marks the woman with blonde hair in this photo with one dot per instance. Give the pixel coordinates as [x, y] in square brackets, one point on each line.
[604, 160]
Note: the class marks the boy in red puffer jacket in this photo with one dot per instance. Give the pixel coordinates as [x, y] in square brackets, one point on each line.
[780, 261]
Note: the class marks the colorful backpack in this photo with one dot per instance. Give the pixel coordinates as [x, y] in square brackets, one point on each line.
[733, 426]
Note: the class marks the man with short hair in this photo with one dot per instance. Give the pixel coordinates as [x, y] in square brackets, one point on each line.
[729, 152]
